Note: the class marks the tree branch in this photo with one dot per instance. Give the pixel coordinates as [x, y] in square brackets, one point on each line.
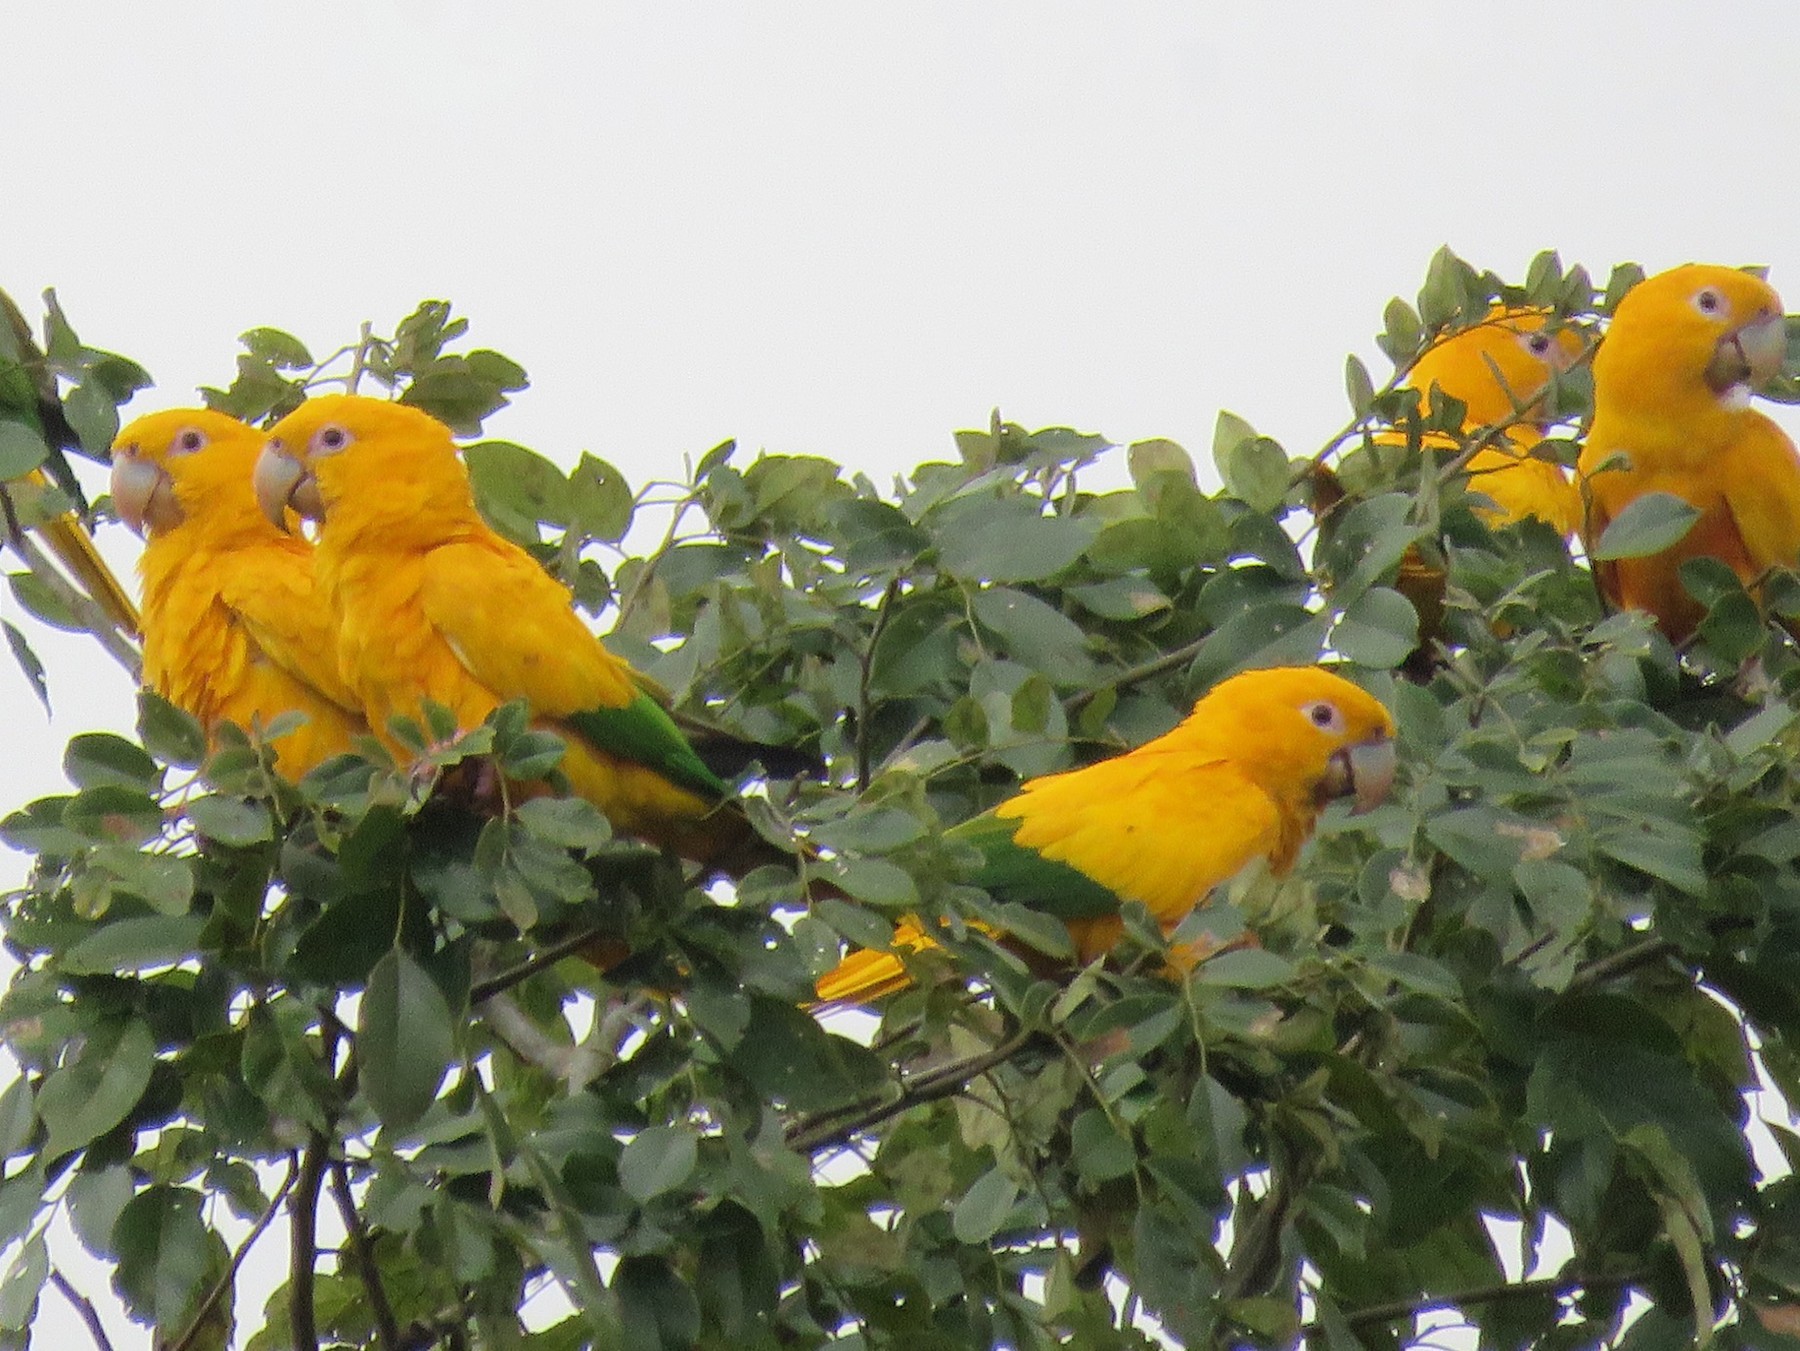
[1134, 675]
[83, 1306]
[550, 956]
[834, 1127]
[387, 1330]
[1619, 963]
[303, 1223]
[220, 1286]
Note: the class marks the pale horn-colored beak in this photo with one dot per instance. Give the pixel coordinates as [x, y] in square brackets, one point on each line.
[1752, 355]
[1364, 772]
[282, 482]
[143, 494]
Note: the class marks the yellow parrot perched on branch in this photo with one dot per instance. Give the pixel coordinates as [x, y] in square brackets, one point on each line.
[1498, 370]
[233, 628]
[432, 604]
[1243, 777]
[1672, 386]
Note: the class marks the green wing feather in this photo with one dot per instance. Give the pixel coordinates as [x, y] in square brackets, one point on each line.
[642, 731]
[1011, 872]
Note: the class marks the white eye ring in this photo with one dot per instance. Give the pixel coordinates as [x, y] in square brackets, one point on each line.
[1324, 715]
[329, 440]
[1710, 303]
[187, 441]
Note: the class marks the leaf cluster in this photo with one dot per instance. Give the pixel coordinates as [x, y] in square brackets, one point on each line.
[1536, 987]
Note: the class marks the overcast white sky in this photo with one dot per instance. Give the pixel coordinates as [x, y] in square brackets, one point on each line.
[847, 229]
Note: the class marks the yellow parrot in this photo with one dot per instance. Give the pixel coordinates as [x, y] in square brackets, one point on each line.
[1672, 386]
[1243, 777]
[234, 630]
[431, 604]
[1498, 369]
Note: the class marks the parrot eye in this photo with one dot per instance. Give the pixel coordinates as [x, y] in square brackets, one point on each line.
[1709, 302]
[1324, 715]
[1538, 344]
[329, 441]
[187, 441]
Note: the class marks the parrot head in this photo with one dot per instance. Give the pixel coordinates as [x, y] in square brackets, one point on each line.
[1501, 365]
[1700, 332]
[184, 464]
[1302, 724]
[316, 453]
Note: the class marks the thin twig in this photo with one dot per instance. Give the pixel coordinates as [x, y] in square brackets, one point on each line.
[550, 956]
[220, 1286]
[303, 1222]
[834, 1127]
[83, 1306]
[1619, 963]
[1557, 1286]
[387, 1330]
[1156, 666]
[883, 612]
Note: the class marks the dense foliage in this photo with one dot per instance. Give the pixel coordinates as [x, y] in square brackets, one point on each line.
[1536, 986]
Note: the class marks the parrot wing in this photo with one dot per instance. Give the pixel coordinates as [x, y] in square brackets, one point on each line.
[1160, 827]
[510, 625]
[1762, 494]
[270, 594]
[1011, 872]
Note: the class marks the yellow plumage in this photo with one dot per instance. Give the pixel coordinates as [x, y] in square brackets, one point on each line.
[233, 629]
[1242, 778]
[431, 604]
[1498, 370]
[1672, 385]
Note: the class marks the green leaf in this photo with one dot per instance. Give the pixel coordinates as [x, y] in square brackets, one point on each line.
[1650, 524]
[170, 734]
[600, 500]
[231, 821]
[43, 604]
[115, 813]
[516, 488]
[657, 1160]
[281, 350]
[165, 1254]
[1100, 1152]
[566, 822]
[984, 1207]
[1378, 630]
[404, 1039]
[878, 882]
[22, 449]
[135, 944]
[1256, 472]
[1245, 969]
[1005, 539]
[89, 1097]
[1358, 385]
[94, 759]
[23, 1281]
[657, 1309]
[28, 663]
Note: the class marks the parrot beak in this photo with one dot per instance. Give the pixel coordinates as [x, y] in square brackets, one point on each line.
[1364, 772]
[1752, 355]
[143, 494]
[282, 482]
